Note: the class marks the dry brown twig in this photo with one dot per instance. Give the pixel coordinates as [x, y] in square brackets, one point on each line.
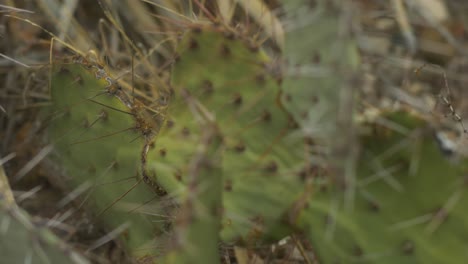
[447, 100]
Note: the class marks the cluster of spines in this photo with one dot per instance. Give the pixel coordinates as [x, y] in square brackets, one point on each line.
[108, 148]
[146, 123]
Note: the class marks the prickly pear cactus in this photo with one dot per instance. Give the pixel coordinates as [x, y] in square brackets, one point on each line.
[223, 77]
[100, 137]
[409, 205]
[23, 241]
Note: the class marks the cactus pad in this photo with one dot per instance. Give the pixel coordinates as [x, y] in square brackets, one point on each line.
[223, 77]
[409, 205]
[100, 135]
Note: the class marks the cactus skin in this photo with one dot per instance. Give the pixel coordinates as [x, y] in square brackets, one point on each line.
[98, 144]
[23, 241]
[319, 60]
[227, 76]
[320, 83]
[198, 224]
[398, 219]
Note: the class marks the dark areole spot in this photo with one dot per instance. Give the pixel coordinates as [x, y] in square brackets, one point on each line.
[176, 58]
[228, 185]
[79, 80]
[67, 112]
[237, 99]
[197, 29]
[292, 124]
[323, 188]
[357, 251]
[240, 147]
[260, 79]
[266, 116]
[258, 219]
[163, 152]
[91, 169]
[309, 141]
[374, 206]
[115, 165]
[314, 99]
[271, 167]
[103, 115]
[253, 47]
[85, 123]
[178, 176]
[193, 44]
[170, 124]
[316, 58]
[407, 247]
[64, 71]
[185, 132]
[229, 35]
[225, 51]
[207, 87]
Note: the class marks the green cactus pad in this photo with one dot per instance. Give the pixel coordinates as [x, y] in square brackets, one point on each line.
[221, 76]
[409, 205]
[99, 143]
